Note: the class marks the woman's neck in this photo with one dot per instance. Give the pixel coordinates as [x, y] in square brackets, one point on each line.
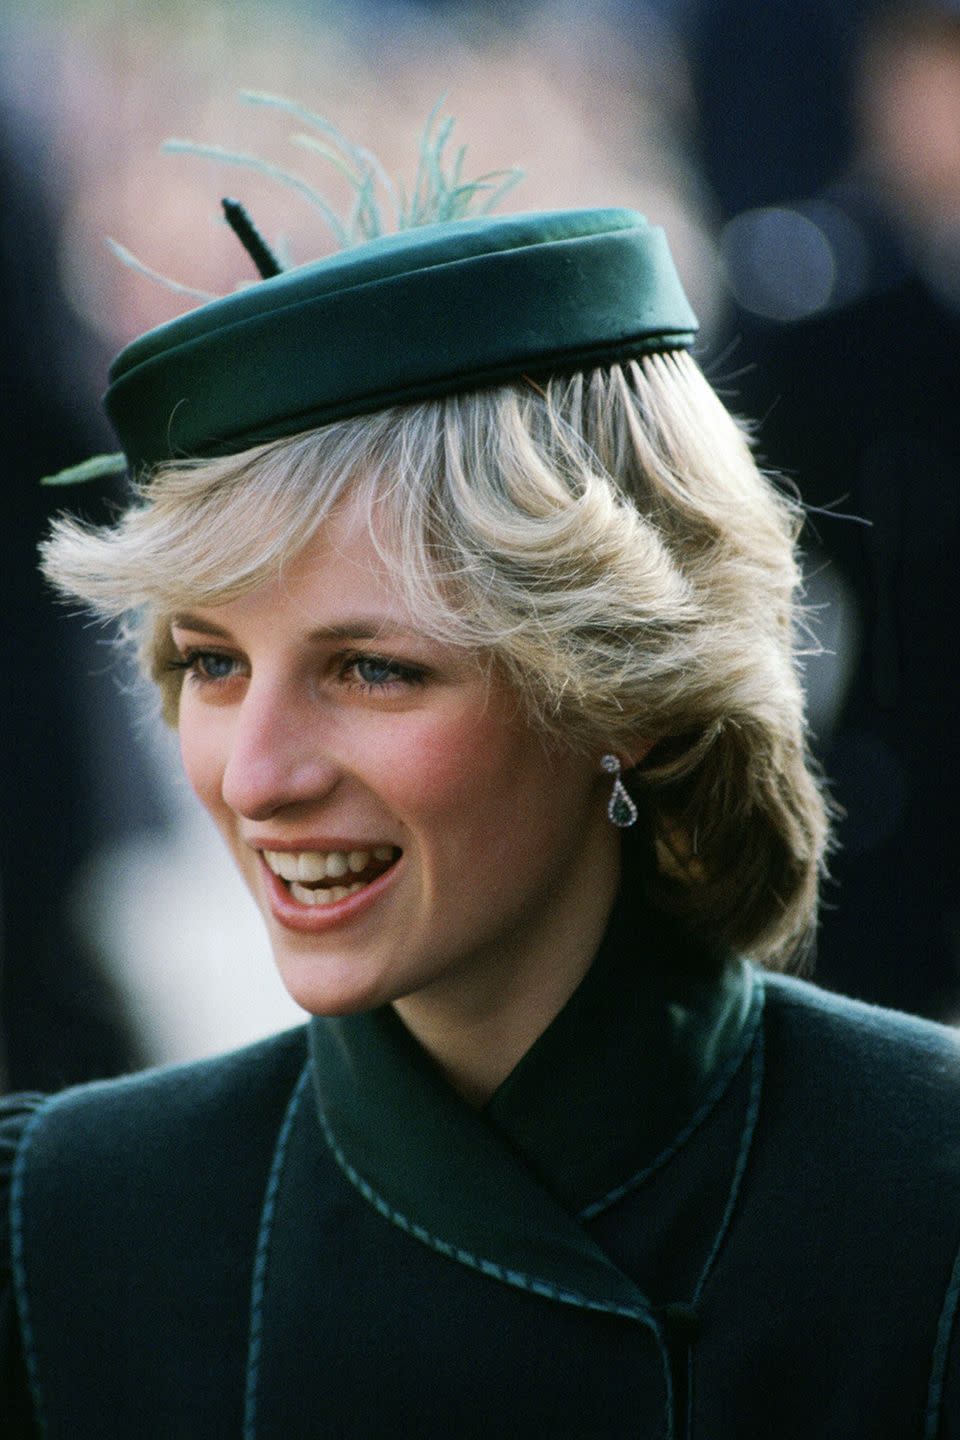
[479, 1024]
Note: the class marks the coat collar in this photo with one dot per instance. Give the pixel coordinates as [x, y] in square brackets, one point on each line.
[643, 1049]
[629, 1062]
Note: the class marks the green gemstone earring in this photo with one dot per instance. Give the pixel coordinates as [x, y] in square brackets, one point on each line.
[621, 810]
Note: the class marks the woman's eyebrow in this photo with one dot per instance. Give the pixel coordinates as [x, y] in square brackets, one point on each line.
[360, 627]
[185, 621]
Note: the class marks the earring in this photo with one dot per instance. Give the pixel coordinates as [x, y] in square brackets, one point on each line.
[621, 810]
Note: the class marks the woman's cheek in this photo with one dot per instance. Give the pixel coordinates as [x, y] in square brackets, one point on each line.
[424, 772]
[200, 753]
[451, 765]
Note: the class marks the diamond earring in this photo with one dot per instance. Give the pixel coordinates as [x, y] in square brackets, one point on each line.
[621, 810]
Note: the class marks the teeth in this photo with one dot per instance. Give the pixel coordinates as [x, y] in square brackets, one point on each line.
[323, 897]
[309, 866]
[312, 866]
[284, 864]
[310, 897]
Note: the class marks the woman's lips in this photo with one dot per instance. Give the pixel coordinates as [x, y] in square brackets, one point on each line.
[313, 918]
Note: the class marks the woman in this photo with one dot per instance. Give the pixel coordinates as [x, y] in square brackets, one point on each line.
[437, 544]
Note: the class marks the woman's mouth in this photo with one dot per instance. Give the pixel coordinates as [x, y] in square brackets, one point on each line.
[323, 877]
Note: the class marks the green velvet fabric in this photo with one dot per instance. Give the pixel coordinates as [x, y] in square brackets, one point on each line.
[410, 316]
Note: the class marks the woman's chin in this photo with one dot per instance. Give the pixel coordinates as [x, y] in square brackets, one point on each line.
[330, 984]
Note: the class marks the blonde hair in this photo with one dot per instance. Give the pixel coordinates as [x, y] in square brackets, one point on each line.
[606, 539]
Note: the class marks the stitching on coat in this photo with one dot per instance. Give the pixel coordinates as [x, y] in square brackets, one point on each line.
[517, 1278]
[746, 1145]
[940, 1351]
[18, 1263]
[261, 1256]
[714, 1095]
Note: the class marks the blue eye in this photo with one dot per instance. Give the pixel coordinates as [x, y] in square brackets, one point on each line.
[213, 666]
[375, 672]
[206, 666]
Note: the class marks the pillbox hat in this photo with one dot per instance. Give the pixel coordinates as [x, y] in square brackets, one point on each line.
[408, 316]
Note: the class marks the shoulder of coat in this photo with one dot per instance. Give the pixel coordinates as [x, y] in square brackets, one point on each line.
[893, 1071]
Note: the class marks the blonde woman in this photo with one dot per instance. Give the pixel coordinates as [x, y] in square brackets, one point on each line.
[476, 620]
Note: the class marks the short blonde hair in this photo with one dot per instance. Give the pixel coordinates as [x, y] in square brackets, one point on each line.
[606, 539]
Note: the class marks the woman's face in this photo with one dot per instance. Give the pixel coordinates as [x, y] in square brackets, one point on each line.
[402, 828]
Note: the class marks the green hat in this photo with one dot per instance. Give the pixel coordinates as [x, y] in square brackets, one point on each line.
[420, 313]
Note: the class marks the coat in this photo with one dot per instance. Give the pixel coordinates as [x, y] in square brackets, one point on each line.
[707, 1203]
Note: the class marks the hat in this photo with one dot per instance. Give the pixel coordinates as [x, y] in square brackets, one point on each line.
[408, 316]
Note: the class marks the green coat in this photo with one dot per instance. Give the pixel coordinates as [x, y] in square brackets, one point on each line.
[723, 1206]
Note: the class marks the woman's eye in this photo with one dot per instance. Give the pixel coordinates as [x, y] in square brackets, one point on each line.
[374, 672]
[207, 666]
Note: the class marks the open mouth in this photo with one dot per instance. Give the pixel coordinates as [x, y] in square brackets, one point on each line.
[322, 877]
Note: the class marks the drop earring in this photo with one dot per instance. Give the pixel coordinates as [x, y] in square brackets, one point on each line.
[621, 811]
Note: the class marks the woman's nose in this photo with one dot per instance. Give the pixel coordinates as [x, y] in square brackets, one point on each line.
[276, 757]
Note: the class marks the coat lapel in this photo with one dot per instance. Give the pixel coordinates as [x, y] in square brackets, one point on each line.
[367, 1325]
[649, 1039]
[447, 1253]
[442, 1173]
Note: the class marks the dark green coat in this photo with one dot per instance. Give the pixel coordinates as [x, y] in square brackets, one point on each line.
[724, 1207]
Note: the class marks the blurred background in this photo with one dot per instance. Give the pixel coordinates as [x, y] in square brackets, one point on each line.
[804, 157]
